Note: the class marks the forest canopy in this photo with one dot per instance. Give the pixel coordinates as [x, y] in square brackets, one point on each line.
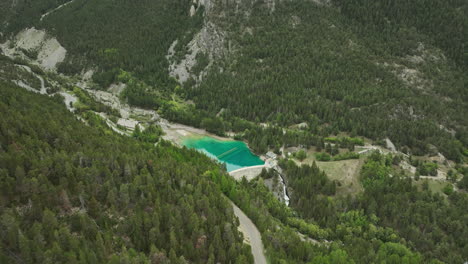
[72, 193]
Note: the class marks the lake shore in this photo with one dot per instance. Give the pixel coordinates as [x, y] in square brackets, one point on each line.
[235, 154]
[177, 133]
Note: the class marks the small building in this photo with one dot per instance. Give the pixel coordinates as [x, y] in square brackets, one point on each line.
[271, 164]
[271, 155]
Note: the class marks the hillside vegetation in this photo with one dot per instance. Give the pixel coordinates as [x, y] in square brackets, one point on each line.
[305, 62]
[318, 80]
[71, 193]
[390, 200]
[371, 68]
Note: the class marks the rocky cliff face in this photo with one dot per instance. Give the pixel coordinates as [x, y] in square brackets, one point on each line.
[214, 40]
[37, 47]
[210, 41]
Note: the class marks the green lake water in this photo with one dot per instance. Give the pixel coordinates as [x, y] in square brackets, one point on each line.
[235, 154]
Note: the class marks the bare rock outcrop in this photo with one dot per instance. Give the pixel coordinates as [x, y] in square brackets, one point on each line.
[46, 50]
[211, 41]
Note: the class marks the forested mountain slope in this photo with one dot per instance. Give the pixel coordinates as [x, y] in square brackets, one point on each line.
[71, 193]
[443, 23]
[372, 68]
[112, 35]
[305, 61]
[297, 74]
[426, 221]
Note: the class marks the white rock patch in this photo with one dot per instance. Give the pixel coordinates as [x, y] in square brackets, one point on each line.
[192, 10]
[117, 88]
[30, 38]
[50, 52]
[129, 124]
[69, 100]
[210, 40]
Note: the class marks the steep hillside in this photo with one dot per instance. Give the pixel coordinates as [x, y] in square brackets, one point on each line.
[372, 68]
[15, 15]
[74, 193]
[375, 90]
[393, 201]
[306, 61]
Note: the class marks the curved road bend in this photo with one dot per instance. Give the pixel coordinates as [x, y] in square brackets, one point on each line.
[251, 233]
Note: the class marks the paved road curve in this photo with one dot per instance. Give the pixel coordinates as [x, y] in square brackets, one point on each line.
[251, 233]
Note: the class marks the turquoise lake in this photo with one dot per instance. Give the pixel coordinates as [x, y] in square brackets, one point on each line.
[235, 154]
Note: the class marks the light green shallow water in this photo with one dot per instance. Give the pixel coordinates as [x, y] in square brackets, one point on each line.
[235, 154]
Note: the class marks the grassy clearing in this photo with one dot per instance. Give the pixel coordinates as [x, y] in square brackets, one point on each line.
[345, 172]
[434, 185]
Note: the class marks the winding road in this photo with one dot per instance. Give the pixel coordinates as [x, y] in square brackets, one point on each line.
[251, 234]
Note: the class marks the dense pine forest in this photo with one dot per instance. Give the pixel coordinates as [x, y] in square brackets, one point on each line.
[442, 22]
[323, 65]
[371, 68]
[392, 221]
[327, 86]
[53, 210]
[71, 193]
[432, 224]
